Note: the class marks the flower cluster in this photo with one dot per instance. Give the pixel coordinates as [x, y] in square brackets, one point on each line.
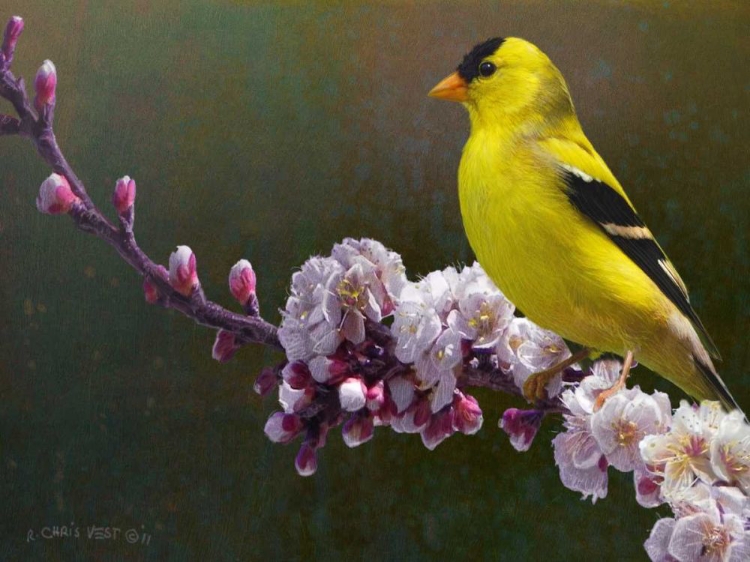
[702, 467]
[367, 348]
[696, 459]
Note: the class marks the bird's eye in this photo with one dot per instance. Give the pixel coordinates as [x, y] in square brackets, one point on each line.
[487, 69]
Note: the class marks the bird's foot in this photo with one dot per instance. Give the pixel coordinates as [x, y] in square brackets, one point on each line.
[535, 386]
[618, 386]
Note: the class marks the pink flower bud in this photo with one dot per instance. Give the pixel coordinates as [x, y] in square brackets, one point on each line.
[306, 462]
[297, 375]
[265, 382]
[242, 281]
[329, 370]
[422, 411]
[12, 33]
[45, 84]
[183, 275]
[149, 288]
[376, 396]
[352, 394]
[225, 346]
[468, 419]
[521, 426]
[282, 428]
[439, 428]
[124, 194]
[357, 430]
[55, 196]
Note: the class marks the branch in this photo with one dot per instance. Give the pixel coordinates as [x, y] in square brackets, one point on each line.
[64, 192]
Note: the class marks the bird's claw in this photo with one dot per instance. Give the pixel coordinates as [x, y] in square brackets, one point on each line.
[535, 387]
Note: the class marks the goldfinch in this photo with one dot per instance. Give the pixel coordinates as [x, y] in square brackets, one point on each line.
[555, 231]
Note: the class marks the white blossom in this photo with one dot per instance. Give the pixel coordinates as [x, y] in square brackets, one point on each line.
[682, 454]
[526, 349]
[730, 450]
[624, 420]
[415, 326]
[387, 264]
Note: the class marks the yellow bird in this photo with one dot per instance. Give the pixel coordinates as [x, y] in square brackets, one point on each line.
[555, 231]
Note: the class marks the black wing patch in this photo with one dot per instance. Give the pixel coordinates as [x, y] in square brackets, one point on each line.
[612, 213]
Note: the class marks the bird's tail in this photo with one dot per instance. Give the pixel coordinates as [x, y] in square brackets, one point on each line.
[713, 383]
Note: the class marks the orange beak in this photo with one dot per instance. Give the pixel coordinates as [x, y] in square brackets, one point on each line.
[451, 88]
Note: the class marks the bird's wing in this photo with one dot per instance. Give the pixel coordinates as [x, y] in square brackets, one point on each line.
[594, 191]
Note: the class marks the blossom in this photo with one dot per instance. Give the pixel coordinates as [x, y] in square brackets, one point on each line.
[13, 30]
[55, 196]
[296, 374]
[351, 297]
[525, 348]
[484, 312]
[376, 396]
[434, 368]
[709, 535]
[415, 418]
[730, 450]
[242, 281]
[183, 274]
[582, 464]
[329, 370]
[305, 331]
[415, 327]
[647, 488]
[306, 461]
[282, 428]
[521, 426]
[624, 420]
[657, 544]
[386, 264]
[682, 454]
[352, 394]
[439, 428]
[468, 417]
[295, 400]
[225, 346]
[123, 195]
[401, 391]
[45, 84]
[357, 430]
[266, 381]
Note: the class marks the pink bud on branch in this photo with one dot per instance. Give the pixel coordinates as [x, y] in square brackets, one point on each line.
[352, 394]
[55, 196]
[357, 430]
[183, 274]
[282, 428]
[306, 462]
[12, 32]
[124, 194]
[521, 426]
[242, 285]
[45, 85]
[266, 381]
[225, 346]
[150, 292]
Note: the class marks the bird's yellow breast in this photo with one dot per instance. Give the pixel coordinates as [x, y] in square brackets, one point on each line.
[554, 264]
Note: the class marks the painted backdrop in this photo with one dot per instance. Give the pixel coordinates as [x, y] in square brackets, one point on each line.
[270, 131]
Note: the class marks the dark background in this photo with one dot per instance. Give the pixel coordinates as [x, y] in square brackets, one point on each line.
[269, 133]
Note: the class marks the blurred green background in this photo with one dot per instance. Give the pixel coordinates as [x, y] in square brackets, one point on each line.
[269, 131]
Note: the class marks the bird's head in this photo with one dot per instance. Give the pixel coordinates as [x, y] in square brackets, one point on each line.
[504, 80]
